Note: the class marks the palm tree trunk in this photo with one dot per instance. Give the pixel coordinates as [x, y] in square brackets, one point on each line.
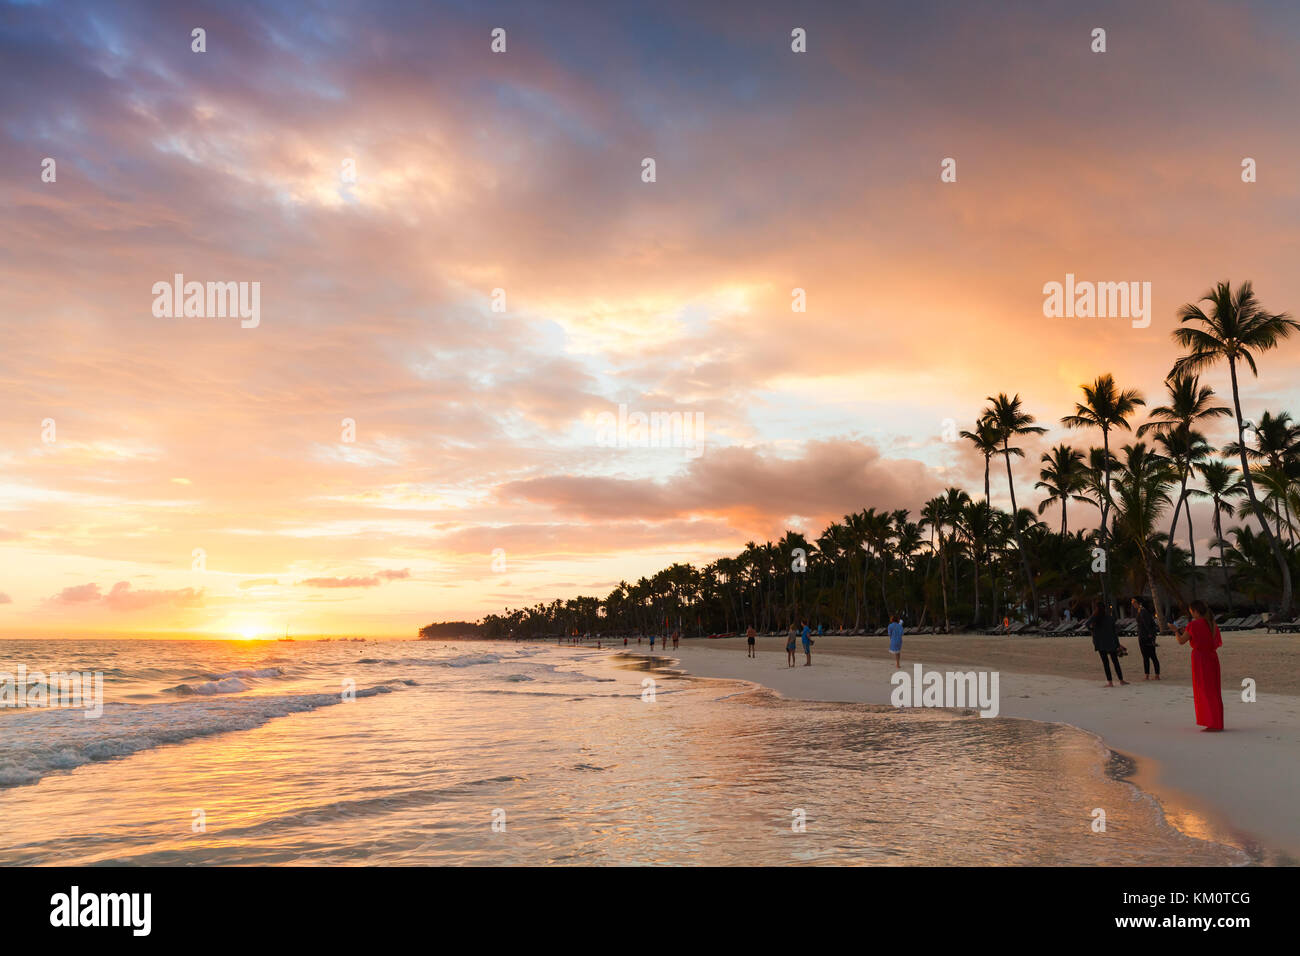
[1105, 511]
[1223, 561]
[1151, 583]
[943, 584]
[1276, 548]
[1020, 544]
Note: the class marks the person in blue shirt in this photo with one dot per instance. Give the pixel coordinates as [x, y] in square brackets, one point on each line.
[806, 636]
[896, 640]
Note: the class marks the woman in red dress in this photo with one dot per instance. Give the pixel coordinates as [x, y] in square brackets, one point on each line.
[1203, 634]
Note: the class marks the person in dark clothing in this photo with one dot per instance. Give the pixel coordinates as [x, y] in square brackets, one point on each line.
[1105, 641]
[1147, 632]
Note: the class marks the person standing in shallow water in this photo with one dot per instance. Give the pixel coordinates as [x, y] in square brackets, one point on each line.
[1203, 634]
[1105, 641]
[1147, 633]
[896, 640]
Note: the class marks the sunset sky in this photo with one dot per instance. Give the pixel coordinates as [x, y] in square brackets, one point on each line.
[522, 171]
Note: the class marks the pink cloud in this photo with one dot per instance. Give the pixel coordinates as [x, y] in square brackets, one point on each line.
[357, 582]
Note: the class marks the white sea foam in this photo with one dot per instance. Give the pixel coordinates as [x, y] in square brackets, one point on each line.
[231, 682]
[37, 743]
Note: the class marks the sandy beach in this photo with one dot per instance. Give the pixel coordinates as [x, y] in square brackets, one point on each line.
[1240, 785]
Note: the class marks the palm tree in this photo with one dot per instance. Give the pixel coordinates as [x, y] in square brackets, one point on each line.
[1190, 404]
[1012, 421]
[1142, 494]
[1235, 328]
[1277, 447]
[1063, 478]
[1105, 406]
[1184, 449]
[976, 523]
[987, 439]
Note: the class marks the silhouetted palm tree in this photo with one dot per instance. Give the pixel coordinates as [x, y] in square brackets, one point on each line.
[1012, 421]
[1105, 406]
[1234, 329]
[987, 439]
[1064, 478]
[1141, 496]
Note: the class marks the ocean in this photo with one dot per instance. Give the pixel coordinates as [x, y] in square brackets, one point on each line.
[457, 753]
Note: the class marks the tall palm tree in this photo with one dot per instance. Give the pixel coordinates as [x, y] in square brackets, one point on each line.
[1012, 421]
[987, 439]
[1190, 405]
[1064, 478]
[1235, 328]
[1184, 449]
[1105, 406]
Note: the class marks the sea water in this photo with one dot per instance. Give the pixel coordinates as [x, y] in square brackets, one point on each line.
[461, 752]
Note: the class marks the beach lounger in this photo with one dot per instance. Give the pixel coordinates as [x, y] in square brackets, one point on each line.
[1252, 622]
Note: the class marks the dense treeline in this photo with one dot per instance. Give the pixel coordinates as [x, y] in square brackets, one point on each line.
[448, 629]
[960, 562]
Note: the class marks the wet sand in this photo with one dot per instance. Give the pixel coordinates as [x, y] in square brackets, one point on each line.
[1241, 784]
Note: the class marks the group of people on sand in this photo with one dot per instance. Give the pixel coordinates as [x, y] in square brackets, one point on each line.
[675, 637]
[803, 635]
[1201, 632]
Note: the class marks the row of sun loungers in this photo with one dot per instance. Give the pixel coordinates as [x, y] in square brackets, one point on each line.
[1128, 627]
[1066, 628]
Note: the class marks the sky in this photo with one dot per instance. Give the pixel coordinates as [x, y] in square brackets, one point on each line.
[457, 251]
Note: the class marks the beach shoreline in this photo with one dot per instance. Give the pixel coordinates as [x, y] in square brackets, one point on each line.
[1237, 787]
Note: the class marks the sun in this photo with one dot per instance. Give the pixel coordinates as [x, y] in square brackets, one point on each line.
[249, 633]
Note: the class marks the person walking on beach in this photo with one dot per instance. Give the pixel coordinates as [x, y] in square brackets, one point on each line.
[1205, 639]
[1147, 633]
[652, 643]
[1105, 641]
[806, 635]
[749, 641]
[896, 640]
[789, 647]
